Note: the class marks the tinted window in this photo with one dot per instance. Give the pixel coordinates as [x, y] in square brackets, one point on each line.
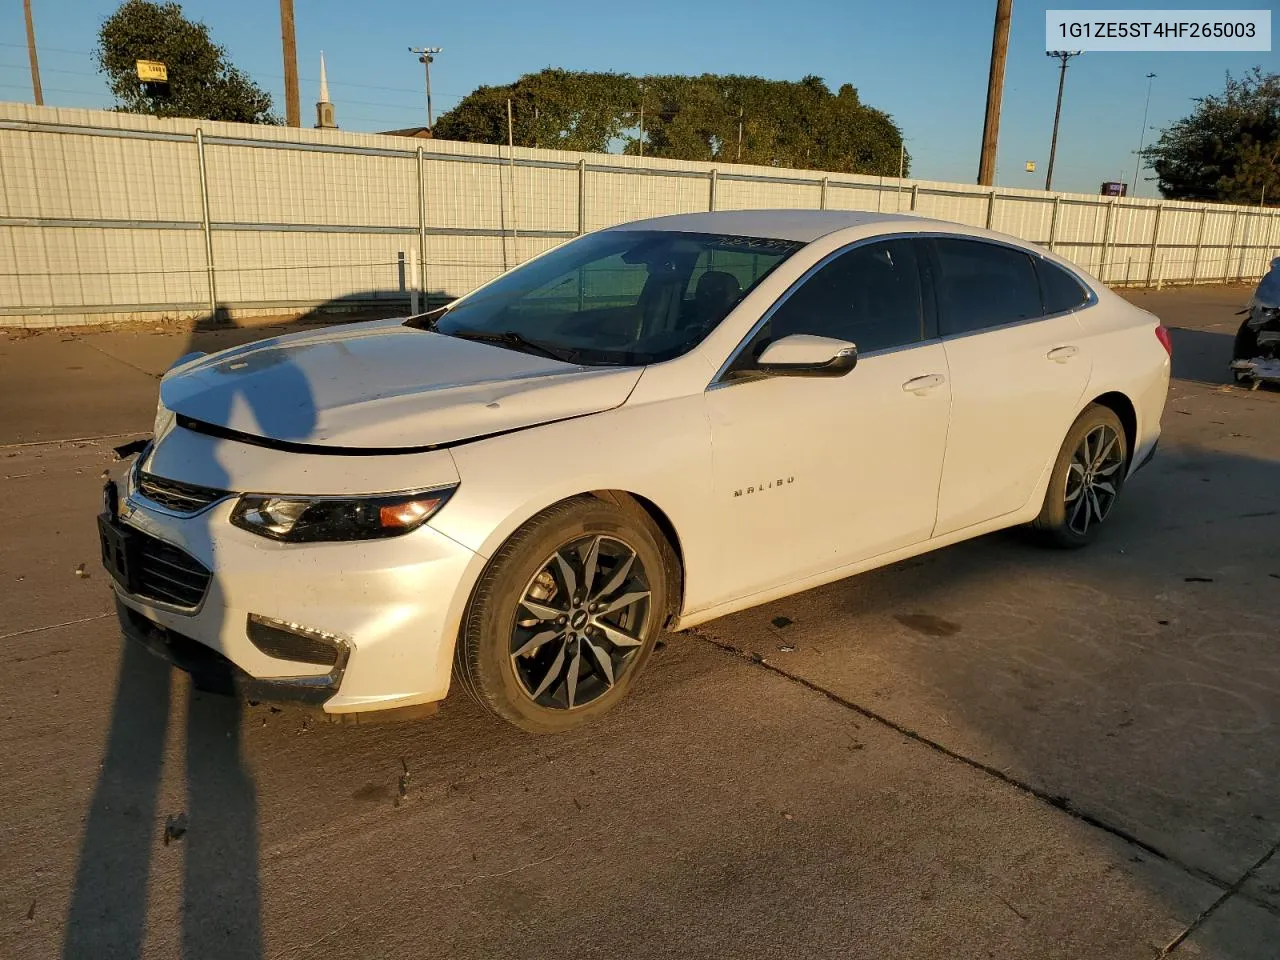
[745, 267]
[984, 285]
[616, 297]
[1059, 290]
[870, 296]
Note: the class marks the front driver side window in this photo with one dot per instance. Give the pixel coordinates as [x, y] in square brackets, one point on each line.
[869, 296]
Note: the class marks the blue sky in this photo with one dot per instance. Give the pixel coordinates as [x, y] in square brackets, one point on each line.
[923, 61]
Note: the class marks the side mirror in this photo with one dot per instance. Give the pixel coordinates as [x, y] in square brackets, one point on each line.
[805, 355]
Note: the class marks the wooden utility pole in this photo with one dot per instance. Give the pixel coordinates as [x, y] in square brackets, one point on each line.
[292, 112]
[995, 91]
[31, 52]
[1062, 56]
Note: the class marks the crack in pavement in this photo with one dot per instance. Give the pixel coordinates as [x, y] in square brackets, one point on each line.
[53, 626]
[111, 356]
[48, 443]
[1056, 801]
[1226, 895]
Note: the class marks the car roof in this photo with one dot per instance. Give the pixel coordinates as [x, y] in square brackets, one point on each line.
[800, 225]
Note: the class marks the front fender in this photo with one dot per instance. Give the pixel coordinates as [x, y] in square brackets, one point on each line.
[659, 451]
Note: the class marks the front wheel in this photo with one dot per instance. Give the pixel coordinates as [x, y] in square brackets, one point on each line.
[566, 615]
[1087, 478]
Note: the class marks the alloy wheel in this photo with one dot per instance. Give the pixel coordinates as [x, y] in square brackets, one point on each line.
[581, 622]
[1093, 478]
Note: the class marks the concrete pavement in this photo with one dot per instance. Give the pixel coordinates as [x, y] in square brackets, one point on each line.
[993, 750]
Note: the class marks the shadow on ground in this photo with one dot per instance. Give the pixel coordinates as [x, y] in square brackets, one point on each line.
[1202, 356]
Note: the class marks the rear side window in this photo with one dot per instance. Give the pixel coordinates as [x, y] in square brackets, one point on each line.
[1059, 290]
[869, 295]
[984, 285]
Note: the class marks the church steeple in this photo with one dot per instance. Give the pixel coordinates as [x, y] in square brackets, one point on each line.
[324, 109]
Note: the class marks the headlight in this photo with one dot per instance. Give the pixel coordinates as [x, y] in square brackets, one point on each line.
[313, 519]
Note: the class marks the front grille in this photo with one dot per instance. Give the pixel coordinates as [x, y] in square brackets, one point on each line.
[176, 495]
[165, 573]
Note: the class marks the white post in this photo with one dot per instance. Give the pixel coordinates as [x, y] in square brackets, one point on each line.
[511, 151]
[414, 302]
[421, 258]
[205, 224]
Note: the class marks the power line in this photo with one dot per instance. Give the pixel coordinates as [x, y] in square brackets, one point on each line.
[45, 49]
[272, 76]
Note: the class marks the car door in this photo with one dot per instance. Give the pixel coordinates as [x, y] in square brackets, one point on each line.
[812, 473]
[1018, 368]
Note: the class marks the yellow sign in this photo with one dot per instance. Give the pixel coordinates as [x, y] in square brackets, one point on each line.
[1031, 166]
[152, 71]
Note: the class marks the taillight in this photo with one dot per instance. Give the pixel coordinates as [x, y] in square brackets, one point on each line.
[1162, 334]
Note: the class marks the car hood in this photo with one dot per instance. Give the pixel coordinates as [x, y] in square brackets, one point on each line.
[384, 386]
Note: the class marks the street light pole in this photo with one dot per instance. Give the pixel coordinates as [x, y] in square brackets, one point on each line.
[425, 56]
[1062, 56]
[1142, 137]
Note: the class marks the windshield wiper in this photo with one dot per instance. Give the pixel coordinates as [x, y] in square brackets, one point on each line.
[517, 341]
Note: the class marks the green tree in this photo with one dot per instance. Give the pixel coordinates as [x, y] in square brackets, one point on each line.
[726, 119]
[202, 81]
[1227, 149]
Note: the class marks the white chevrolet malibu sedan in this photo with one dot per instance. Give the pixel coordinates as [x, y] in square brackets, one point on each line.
[644, 428]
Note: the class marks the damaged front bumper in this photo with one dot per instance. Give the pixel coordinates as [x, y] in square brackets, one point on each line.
[213, 673]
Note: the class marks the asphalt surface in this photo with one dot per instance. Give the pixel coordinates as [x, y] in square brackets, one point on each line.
[991, 751]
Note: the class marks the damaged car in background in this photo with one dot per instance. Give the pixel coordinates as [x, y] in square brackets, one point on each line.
[641, 429]
[1255, 357]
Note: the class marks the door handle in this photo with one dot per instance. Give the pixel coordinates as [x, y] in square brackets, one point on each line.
[1063, 354]
[921, 384]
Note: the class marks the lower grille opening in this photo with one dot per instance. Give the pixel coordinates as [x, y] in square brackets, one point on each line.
[291, 641]
[167, 573]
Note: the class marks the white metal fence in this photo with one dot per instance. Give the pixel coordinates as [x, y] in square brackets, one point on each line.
[107, 217]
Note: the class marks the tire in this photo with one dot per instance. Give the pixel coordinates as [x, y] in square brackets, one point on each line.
[1095, 452]
[518, 661]
[1245, 345]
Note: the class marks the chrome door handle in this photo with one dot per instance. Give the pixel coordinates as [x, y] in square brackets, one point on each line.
[1063, 354]
[921, 384]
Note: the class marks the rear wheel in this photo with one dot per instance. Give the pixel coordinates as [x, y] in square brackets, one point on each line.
[1087, 478]
[566, 615]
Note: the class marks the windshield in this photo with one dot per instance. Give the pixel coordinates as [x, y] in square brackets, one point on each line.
[628, 297]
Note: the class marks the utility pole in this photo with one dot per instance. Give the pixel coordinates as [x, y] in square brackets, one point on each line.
[425, 56]
[995, 91]
[1142, 137]
[292, 112]
[31, 52]
[1062, 56]
[740, 134]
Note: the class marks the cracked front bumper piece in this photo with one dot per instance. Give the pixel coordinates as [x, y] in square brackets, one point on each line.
[212, 672]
